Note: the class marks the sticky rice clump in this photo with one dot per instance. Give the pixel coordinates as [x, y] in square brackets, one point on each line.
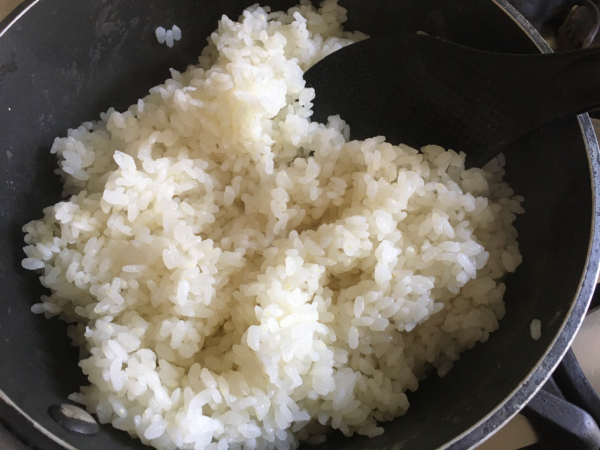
[238, 276]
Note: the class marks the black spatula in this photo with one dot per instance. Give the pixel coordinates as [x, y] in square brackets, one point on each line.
[420, 90]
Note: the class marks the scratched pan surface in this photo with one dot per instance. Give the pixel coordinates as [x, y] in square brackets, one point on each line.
[64, 61]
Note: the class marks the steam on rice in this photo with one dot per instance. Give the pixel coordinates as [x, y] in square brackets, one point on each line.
[238, 276]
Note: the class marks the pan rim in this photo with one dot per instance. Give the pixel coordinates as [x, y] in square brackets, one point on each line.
[15, 15]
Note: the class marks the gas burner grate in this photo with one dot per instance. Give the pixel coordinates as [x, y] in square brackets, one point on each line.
[566, 24]
[566, 412]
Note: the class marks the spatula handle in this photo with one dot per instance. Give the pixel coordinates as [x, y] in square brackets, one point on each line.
[542, 89]
[574, 85]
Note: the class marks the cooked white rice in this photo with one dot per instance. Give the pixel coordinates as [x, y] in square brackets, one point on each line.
[227, 289]
[168, 37]
[161, 35]
[176, 33]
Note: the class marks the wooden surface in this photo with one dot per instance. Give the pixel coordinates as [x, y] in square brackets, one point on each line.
[6, 6]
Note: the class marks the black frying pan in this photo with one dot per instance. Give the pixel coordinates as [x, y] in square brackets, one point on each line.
[65, 61]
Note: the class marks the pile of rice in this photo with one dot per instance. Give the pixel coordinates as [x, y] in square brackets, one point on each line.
[238, 276]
